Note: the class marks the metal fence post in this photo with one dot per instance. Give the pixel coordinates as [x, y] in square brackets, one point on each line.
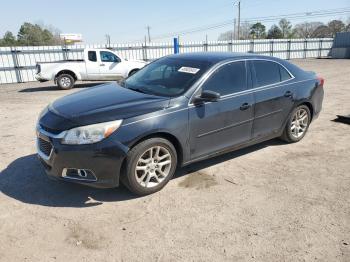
[271, 48]
[176, 45]
[305, 47]
[64, 50]
[205, 46]
[251, 46]
[320, 48]
[16, 65]
[144, 51]
[229, 46]
[289, 43]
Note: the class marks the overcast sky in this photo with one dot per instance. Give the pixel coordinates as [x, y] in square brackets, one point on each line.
[126, 21]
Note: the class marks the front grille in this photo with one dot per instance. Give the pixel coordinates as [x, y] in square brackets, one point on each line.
[44, 146]
[50, 130]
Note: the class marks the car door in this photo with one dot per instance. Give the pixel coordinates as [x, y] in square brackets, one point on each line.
[110, 66]
[215, 126]
[273, 96]
[92, 66]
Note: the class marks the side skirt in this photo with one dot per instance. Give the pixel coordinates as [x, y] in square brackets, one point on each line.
[236, 147]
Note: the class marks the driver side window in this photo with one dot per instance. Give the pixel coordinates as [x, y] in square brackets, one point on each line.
[228, 79]
[109, 57]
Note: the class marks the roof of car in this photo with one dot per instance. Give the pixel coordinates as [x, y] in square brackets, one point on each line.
[216, 57]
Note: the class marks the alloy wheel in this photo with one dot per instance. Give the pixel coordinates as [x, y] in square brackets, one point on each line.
[153, 166]
[300, 122]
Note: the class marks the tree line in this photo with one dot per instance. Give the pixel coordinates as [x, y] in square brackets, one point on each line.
[32, 35]
[35, 34]
[285, 29]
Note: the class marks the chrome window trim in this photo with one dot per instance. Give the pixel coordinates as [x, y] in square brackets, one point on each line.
[258, 89]
[211, 71]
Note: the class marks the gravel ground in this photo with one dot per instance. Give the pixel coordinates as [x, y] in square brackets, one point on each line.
[269, 202]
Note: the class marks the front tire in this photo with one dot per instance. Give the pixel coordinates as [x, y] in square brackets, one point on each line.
[65, 81]
[297, 125]
[149, 166]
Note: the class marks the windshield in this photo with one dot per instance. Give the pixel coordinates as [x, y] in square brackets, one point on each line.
[167, 76]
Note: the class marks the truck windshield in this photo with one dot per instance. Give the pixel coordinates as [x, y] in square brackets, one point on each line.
[167, 76]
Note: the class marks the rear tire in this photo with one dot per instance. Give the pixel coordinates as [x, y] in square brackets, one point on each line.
[65, 81]
[149, 166]
[297, 125]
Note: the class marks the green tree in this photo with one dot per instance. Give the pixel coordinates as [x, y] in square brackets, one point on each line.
[336, 26]
[30, 34]
[286, 28]
[8, 40]
[274, 32]
[257, 30]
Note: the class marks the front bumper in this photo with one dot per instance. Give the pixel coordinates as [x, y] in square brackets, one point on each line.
[103, 160]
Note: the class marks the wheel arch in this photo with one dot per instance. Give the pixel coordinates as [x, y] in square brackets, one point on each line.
[67, 71]
[309, 105]
[161, 134]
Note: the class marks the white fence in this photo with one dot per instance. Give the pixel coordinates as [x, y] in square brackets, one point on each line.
[17, 64]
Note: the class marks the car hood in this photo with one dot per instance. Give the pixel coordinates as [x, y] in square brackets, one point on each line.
[104, 103]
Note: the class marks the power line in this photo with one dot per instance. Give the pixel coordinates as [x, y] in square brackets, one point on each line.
[292, 16]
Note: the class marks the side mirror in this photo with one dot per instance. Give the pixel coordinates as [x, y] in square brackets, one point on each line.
[207, 96]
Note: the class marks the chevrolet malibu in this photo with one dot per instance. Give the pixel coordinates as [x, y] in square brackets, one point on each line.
[175, 111]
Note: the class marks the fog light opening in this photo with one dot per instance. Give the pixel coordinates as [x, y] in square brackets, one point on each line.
[79, 174]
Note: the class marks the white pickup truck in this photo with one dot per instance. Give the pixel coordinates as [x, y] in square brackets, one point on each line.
[98, 64]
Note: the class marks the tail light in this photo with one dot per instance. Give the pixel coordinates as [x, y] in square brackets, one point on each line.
[320, 80]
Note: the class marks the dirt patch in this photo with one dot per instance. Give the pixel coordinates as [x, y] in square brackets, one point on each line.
[82, 237]
[198, 180]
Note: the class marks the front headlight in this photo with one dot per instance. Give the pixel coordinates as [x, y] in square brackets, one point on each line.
[90, 134]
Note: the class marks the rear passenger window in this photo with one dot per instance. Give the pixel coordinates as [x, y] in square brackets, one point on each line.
[228, 79]
[92, 56]
[284, 74]
[266, 72]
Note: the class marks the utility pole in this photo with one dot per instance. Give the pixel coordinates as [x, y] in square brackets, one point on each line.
[149, 33]
[234, 29]
[108, 40]
[239, 19]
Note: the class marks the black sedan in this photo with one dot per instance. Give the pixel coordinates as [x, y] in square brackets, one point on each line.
[175, 111]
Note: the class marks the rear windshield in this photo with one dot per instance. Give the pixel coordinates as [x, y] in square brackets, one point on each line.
[167, 76]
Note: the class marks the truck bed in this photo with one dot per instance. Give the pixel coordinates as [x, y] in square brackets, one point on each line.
[63, 61]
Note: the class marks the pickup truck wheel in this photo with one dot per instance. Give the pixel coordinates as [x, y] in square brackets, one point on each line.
[65, 81]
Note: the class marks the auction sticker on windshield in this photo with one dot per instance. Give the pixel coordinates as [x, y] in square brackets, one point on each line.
[190, 70]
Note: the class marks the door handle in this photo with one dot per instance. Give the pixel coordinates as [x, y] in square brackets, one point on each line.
[102, 64]
[288, 94]
[244, 106]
